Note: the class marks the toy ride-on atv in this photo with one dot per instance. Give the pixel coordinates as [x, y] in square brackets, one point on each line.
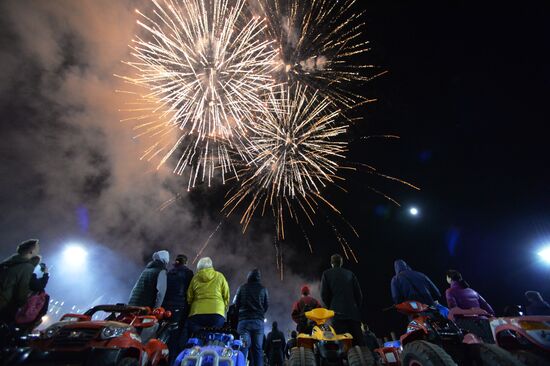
[106, 335]
[526, 337]
[324, 347]
[212, 347]
[432, 339]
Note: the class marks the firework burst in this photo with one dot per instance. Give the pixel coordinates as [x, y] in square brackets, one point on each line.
[297, 146]
[204, 64]
[319, 43]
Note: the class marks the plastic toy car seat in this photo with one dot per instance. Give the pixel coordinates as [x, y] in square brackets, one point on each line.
[319, 315]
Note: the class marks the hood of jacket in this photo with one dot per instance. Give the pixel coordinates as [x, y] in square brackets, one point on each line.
[400, 265]
[16, 259]
[534, 297]
[254, 276]
[163, 256]
[205, 275]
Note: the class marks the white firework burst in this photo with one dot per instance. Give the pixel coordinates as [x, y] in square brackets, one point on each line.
[297, 147]
[205, 63]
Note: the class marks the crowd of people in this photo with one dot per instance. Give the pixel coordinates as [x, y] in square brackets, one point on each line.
[202, 299]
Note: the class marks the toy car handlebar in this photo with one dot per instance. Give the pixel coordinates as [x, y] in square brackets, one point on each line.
[199, 358]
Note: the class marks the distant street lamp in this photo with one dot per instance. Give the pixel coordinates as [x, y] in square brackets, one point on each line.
[413, 211]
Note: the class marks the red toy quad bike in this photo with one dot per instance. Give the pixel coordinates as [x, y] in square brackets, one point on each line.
[433, 340]
[127, 336]
[526, 337]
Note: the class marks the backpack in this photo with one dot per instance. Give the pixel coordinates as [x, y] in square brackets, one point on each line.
[35, 307]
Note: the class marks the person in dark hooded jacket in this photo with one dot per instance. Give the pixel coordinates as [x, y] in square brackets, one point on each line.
[340, 291]
[252, 303]
[537, 305]
[178, 279]
[409, 285]
[275, 346]
[15, 279]
[150, 287]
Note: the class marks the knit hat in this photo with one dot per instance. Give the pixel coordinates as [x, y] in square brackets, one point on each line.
[305, 290]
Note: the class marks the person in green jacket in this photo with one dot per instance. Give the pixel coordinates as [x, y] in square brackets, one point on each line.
[15, 277]
[208, 297]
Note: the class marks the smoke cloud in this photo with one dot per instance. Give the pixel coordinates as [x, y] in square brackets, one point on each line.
[70, 170]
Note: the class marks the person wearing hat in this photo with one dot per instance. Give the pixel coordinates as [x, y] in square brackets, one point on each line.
[301, 307]
[150, 287]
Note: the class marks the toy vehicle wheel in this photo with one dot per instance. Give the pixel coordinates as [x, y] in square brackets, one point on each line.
[490, 354]
[422, 353]
[128, 361]
[529, 358]
[360, 356]
[300, 356]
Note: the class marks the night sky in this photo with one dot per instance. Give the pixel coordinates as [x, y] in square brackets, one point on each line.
[466, 90]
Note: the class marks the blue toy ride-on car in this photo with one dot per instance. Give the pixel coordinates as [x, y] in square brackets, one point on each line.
[212, 347]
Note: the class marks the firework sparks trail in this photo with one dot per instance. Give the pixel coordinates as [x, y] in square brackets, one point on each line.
[201, 250]
[279, 258]
[204, 64]
[319, 43]
[297, 155]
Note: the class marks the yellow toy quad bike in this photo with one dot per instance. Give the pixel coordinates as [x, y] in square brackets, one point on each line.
[323, 347]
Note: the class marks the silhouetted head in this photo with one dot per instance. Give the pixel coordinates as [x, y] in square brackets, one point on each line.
[181, 260]
[533, 296]
[336, 260]
[29, 248]
[455, 276]
[254, 276]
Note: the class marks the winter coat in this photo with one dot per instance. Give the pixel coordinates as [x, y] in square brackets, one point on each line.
[340, 291]
[39, 284]
[208, 293]
[252, 299]
[177, 283]
[537, 307]
[466, 298]
[409, 285]
[15, 276]
[148, 290]
[275, 344]
[300, 307]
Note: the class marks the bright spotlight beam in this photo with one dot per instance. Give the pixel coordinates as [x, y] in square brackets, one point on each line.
[544, 254]
[74, 255]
